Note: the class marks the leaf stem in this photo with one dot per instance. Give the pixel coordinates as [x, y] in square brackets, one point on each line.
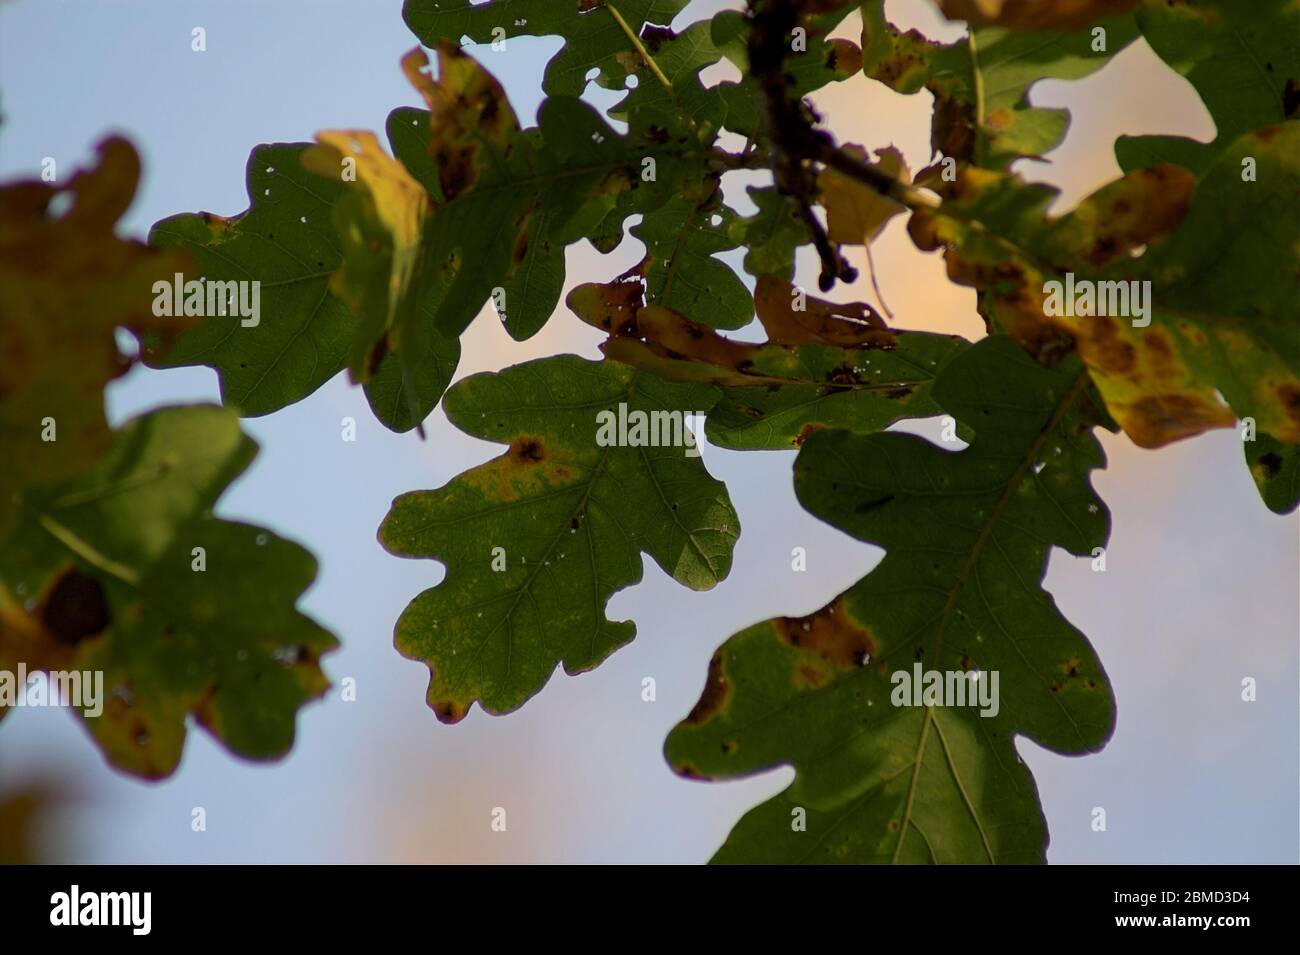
[978, 84]
[640, 48]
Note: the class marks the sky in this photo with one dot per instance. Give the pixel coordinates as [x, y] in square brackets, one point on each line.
[1200, 589]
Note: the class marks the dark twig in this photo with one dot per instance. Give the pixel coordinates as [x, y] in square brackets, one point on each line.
[797, 146]
[791, 132]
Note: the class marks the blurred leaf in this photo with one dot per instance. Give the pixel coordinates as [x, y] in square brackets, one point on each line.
[967, 536]
[1243, 60]
[66, 283]
[981, 83]
[23, 812]
[1035, 14]
[101, 577]
[537, 540]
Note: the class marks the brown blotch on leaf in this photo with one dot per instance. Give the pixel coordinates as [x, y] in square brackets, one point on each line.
[831, 634]
[378, 352]
[1289, 395]
[804, 432]
[76, 608]
[689, 771]
[1104, 349]
[1271, 465]
[449, 711]
[1155, 420]
[813, 676]
[527, 450]
[611, 307]
[1160, 349]
[1133, 211]
[717, 691]
[1291, 99]
[521, 247]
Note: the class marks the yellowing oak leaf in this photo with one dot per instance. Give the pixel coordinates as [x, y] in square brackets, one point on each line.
[1181, 331]
[66, 283]
[381, 232]
[855, 213]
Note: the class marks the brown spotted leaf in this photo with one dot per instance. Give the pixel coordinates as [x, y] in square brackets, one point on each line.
[536, 541]
[123, 570]
[1172, 331]
[821, 367]
[66, 283]
[882, 775]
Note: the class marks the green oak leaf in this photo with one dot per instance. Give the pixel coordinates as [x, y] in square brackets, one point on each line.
[593, 37]
[683, 109]
[1243, 60]
[681, 268]
[528, 294]
[967, 533]
[861, 390]
[771, 235]
[981, 83]
[106, 574]
[287, 240]
[502, 193]
[537, 540]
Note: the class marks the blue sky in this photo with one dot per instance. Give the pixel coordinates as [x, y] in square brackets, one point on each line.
[1200, 591]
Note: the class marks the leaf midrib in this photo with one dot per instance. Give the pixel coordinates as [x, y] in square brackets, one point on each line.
[986, 531]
